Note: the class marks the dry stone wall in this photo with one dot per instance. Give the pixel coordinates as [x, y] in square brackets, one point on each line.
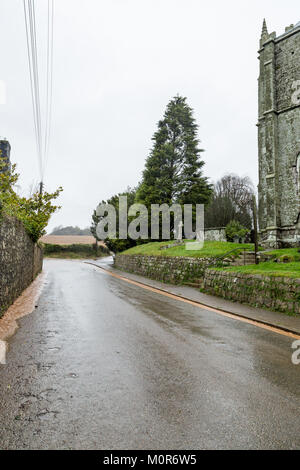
[276, 293]
[175, 270]
[20, 261]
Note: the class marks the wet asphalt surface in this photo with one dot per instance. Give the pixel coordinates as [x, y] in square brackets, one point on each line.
[102, 364]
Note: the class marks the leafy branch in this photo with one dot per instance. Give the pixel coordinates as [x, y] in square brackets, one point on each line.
[34, 211]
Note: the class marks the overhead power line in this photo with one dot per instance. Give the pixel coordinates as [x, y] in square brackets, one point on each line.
[30, 63]
[41, 128]
[49, 81]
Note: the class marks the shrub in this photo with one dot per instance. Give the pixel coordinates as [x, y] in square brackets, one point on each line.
[235, 230]
[34, 211]
[82, 249]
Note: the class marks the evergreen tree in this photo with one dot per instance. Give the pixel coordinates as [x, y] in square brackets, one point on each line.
[116, 245]
[173, 170]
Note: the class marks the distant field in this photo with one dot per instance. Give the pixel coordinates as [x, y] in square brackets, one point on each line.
[68, 239]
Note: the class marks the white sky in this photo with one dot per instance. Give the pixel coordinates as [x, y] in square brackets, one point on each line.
[116, 65]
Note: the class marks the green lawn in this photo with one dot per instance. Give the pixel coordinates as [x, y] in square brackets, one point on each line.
[290, 254]
[269, 268]
[215, 249]
[210, 249]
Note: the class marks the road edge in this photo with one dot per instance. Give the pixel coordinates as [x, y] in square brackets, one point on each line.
[274, 326]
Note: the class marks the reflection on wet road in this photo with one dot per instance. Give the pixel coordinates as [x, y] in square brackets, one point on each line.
[105, 364]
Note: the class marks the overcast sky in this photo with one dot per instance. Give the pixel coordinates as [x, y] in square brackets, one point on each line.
[117, 63]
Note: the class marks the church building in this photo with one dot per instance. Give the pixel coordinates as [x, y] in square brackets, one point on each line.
[279, 138]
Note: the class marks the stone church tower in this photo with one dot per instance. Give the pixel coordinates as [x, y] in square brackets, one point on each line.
[279, 138]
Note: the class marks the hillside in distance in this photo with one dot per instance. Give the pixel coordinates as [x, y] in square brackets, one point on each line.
[70, 230]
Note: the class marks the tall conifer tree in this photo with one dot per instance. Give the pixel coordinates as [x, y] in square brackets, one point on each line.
[173, 170]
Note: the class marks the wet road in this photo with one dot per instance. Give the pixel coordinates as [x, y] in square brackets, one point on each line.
[102, 364]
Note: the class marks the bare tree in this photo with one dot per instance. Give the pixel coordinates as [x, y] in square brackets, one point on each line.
[231, 200]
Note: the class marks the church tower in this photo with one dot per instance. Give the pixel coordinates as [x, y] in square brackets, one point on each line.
[279, 138]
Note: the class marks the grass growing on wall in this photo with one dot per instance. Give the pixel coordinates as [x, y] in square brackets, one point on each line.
[286, 254]
[269, 268]
[288, 265]
[210, 249]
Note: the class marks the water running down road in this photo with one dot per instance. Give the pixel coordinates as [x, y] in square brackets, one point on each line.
[103, 364]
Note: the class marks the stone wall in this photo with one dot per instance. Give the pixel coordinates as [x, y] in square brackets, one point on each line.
[175, 270]
[20, 261]
[276, 293]
[215, 234]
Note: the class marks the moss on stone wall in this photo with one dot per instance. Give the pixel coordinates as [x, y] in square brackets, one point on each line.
[20, 261]
[175, 270]
[276, 293]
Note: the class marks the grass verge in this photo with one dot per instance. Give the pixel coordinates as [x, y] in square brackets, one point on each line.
[269, 268]
[211, 249]
[286, 254]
